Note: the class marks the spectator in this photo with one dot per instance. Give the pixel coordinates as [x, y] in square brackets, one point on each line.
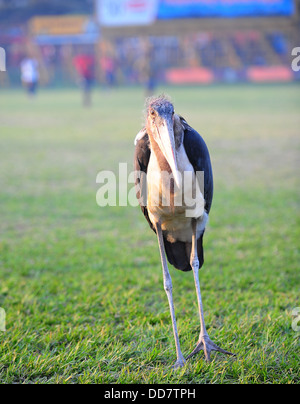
[108, 67]
[85, 66]
[30, 75]
[150, 71]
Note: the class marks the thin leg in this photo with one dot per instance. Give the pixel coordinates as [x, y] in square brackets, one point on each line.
[204, 342]
[168, 288]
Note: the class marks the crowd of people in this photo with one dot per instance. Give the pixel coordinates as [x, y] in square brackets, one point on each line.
[142, 60]
[130, 62]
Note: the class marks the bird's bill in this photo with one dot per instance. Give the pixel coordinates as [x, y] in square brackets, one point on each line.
[166, 143]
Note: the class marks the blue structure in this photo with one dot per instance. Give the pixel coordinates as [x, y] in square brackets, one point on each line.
[223, 8]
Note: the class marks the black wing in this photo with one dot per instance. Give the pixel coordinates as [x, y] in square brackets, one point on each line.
[199, 157]
[141, 161]
[178, 253]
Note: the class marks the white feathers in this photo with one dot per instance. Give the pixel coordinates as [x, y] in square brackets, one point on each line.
[140, 135]
[176, 219]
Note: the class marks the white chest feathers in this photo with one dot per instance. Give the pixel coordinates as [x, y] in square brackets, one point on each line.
[175, 206]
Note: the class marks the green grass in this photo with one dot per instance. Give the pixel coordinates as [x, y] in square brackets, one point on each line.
[82, 285]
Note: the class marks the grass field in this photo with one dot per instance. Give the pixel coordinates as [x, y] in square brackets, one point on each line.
[82, 285]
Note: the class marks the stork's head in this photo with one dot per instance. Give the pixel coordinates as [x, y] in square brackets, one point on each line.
[160, 128]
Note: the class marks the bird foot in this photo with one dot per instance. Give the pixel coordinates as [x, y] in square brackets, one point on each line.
[180, 363]
[207, 346]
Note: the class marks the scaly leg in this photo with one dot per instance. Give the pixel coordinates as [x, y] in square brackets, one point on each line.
[204, 342]
[168, 288]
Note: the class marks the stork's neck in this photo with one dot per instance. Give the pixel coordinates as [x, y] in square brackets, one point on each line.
[161, 160]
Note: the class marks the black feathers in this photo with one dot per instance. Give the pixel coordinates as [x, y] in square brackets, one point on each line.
[178, 252]
[198, 155]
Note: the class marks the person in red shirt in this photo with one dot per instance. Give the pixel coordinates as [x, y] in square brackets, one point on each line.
[85, 66]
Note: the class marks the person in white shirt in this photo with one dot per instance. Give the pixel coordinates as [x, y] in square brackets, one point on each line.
[30, 75]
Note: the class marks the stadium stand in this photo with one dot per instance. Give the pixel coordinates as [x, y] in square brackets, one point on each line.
[182, 51]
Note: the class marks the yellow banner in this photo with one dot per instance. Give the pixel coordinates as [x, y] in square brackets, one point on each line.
[59, 25]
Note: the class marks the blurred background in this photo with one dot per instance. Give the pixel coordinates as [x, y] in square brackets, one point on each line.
[81, 285]
[149, 42]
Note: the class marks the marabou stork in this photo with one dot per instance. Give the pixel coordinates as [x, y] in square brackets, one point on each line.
[168, 144]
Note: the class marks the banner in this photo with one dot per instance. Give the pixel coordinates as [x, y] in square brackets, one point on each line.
[224, 8]
[114, 13]
[60, 30]
[62, 25]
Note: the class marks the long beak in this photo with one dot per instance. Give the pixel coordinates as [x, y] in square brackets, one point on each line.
[167, 145]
